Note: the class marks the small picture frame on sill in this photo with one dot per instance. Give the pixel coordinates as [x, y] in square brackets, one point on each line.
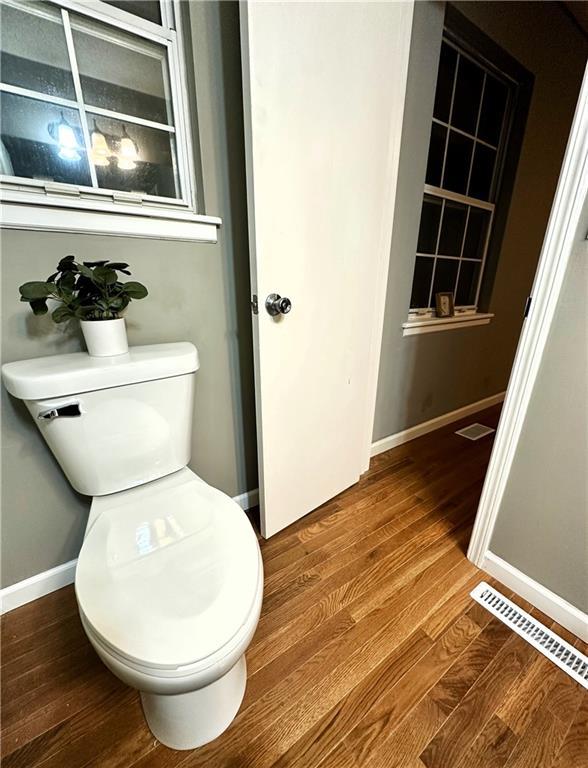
[444, 304]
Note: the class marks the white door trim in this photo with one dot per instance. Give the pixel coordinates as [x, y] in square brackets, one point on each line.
[561, 231]
[547, 601]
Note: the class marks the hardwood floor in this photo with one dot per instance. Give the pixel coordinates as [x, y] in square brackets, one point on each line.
[369, 651]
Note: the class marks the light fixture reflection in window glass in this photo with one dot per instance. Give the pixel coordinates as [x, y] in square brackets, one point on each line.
[128, 152]
[63, 133]
[100, 149]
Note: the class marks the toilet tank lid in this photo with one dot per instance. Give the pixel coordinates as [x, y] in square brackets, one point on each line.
[62, 375]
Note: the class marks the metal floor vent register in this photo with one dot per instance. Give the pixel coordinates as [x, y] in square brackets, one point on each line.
[475, 431]
[543, 639]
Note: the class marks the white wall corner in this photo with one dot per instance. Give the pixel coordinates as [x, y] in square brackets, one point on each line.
[386, 443]
[42, 584]
[545, 600]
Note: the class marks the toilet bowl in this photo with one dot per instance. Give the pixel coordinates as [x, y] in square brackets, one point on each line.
[169, 579]
[169, 586]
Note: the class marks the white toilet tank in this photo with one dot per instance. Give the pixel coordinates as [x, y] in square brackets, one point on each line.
[112, 422]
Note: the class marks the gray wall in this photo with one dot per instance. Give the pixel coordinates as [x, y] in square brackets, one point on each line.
[422, 377]
[198, 292]
[542, 524]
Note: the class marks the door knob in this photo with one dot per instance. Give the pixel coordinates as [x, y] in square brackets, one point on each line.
[277, 305]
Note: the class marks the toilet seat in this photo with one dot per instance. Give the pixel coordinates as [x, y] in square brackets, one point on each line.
[169, 574]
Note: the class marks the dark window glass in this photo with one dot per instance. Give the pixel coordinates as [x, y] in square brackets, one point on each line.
[146, 9]
[116, 74]
[477, 230]
[468, 92]
[436, 152]
[482, 172]
[445, 82]
[421, 282]
[493, 108]
[34, 51]
[457, 163]
[445, 276]
[467, 283]
[429, 229]
[452, 228]
[42, 141]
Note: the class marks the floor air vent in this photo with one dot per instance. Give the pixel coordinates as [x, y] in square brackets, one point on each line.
[475, 431]
[543, 639]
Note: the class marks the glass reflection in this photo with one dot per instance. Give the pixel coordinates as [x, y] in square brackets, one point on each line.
[42, 141]
[133, 158]
[157, 534]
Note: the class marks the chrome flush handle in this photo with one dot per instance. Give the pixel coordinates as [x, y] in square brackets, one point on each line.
[67, 409]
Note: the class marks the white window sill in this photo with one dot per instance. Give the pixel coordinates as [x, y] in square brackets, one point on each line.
[416, 325]
[126, 221]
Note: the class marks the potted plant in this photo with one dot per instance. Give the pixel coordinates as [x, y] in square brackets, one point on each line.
[92, 293]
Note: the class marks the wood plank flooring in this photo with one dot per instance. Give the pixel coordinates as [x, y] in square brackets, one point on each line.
[369, 650]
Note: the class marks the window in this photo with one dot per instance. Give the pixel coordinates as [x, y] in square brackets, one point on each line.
[471, 118]
[94, 114]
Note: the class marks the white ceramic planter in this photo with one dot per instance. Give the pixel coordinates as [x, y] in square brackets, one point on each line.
[105, 338]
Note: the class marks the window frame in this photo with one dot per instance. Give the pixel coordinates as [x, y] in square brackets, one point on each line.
[420, 313]
[23, 196]
[472, 43]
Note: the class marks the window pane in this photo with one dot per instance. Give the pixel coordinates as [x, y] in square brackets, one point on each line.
[467, 284]
[468, 92]
[34, 51]
[445, 82]
[121, 72]
[421, 282]
[42, 141]
[436, 152]
[493, 108]
[146, 9]
[429, 229]
[482, 172]
[457, 163]
[475, 241]
[445, 276]
[452, 228]
[133, 158]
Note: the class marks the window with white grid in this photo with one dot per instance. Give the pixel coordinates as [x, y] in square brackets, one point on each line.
[93, 104]
[468, 137]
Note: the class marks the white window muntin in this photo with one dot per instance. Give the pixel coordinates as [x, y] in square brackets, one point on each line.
[171, 39]
[446, 194]
[471, 202]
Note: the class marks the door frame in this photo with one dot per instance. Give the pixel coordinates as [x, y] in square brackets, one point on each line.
[557, 248]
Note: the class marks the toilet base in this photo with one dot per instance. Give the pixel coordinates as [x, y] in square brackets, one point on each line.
[189, 720]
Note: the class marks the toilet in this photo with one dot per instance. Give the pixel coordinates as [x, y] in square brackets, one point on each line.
[169, 579]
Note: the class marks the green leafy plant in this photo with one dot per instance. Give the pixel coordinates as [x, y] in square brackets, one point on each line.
[91, 290]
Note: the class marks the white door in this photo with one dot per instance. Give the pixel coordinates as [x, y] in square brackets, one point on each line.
[324, 87]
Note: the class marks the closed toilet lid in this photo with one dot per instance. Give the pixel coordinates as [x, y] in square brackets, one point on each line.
[168, 573]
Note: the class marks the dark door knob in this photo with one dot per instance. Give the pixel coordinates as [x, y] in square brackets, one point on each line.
[277, 305]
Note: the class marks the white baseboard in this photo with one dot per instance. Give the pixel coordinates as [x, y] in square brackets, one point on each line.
[248, 499]
[542, 598]
[430, 426]
[37, 586]
[55, 578]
